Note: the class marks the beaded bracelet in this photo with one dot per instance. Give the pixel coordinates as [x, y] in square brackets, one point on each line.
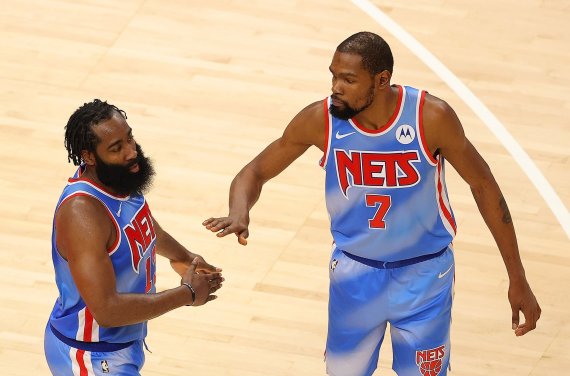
[192, 291]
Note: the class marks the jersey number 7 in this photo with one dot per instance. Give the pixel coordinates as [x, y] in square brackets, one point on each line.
[383, 203]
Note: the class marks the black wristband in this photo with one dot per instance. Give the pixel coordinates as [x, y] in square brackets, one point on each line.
[192, 291]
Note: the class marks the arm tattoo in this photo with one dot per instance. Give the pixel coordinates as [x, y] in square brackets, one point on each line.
[506, 214]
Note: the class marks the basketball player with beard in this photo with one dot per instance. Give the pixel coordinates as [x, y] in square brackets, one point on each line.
[104, 245]
[384, 148]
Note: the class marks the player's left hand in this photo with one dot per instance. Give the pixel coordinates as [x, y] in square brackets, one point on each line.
[523, 300]
[203, 267]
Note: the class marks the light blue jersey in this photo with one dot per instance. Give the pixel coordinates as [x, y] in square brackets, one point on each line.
[392, 261]
[133, 257]
[385, 193]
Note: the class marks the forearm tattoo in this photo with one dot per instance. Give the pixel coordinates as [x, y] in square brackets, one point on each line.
[506, 214]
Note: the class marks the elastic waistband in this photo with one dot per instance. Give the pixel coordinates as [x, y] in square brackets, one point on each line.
[90, 346]
[394, 264]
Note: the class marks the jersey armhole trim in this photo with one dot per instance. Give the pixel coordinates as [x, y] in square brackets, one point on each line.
[328, 131]
[423, 143]
[443, 203]
[117, 241]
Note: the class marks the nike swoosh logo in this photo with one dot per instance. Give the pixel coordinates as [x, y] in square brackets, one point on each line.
[441, 275]
[339, 136]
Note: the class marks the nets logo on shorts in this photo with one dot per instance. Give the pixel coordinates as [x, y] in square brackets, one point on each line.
[429, 361]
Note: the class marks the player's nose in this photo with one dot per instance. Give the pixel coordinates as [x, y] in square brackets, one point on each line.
[336, 87]
[132, 154]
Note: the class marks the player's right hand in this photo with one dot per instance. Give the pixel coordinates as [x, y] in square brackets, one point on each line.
[223, 226]
[205, 284]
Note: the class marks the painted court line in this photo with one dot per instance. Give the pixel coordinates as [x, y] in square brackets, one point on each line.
[495, 126]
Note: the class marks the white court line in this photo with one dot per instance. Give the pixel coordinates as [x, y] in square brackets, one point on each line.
[521, 157]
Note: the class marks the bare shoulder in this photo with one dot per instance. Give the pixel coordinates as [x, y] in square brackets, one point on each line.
[308, 126]
[436, 110]
[313, 110]
[441, 124]
[80, 217]
[81, 207]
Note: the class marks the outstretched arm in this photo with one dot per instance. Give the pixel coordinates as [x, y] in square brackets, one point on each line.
[306, 129]
[445, 133]
[84, 232]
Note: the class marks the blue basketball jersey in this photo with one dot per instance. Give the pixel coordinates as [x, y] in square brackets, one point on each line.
[134, 262]
[385, 193]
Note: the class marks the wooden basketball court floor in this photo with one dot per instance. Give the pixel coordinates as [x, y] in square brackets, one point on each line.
[206, 85]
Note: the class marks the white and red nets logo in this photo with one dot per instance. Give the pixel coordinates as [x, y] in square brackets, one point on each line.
[376, 170]
[430, 361]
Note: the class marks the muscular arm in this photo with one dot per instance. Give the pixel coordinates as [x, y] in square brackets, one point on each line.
[83, 232]
[445, 134]
[306, 129]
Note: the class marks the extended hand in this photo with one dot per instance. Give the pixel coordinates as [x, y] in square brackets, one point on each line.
[227, 225]
[205, 284]
[523, 300]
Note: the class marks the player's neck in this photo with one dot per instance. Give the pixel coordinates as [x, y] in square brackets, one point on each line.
[91, 175]
[381, 110]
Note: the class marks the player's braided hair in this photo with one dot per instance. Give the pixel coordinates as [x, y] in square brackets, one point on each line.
[375, 52]
[79, 133]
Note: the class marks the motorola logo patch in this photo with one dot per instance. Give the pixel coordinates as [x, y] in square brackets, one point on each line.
[405, 134]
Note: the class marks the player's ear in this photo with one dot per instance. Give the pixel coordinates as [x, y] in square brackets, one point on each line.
[88, 157]
[383, 79]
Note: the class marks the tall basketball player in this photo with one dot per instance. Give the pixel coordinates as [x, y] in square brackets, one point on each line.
[104, 245]
[384, 150]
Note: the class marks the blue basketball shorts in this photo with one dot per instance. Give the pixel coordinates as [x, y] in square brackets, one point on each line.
[64, 360]
[415, 299]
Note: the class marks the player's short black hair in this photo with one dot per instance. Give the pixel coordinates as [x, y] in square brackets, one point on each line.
[79, 133]
[375, 52]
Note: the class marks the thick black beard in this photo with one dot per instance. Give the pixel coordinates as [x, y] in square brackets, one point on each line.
[121, 180]
[344, 114]
[349, 112]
